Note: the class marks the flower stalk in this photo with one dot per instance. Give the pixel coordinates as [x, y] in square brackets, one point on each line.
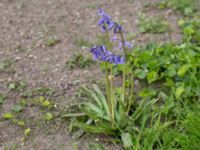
[111, 86]
[102, 54]
[125, 67]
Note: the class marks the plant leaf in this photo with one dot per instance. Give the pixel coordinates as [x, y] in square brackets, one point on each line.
[126, 140]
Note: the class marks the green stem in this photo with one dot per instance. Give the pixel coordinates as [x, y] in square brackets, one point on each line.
[112, 99]
[108, 91]
[107, 82]
[123, 43]
[132, 97]
[124, 83]
[125, 69]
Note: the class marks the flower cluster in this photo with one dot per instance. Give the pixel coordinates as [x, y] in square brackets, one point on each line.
[100, 53]
[105, 20]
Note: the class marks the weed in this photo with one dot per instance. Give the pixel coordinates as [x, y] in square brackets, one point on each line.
[79, 61]
[191, 30]
[19, 86]
[152, 25]
[45, 103]
[187, 7]
[2, 98]
[27, 131]
[52, 42]
[48, 116]
[17, 108]
[7, 63]
[18, 122]
[44, 91]
[39, 91]
[8, 116]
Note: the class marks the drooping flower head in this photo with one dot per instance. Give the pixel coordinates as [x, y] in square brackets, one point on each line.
[100, 53]
[116, 27]
[104, 20]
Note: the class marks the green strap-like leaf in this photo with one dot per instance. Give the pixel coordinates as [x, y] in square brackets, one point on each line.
[102, 97]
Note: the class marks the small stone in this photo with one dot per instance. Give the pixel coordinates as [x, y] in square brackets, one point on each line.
[30, 56]
[18, 58]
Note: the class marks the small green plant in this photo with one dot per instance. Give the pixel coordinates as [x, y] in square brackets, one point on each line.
[8, 116]
[7, 63]
[187, 7]
[27, 131]
[19, 86]
[52, 41]
[2, 98]
[20, 106]
[191, 30]
[79, 61]
[45, 103]
[48, 116]
[44, 91]
[152, 25]
[18, 122]
[39, 91]
[17, 108]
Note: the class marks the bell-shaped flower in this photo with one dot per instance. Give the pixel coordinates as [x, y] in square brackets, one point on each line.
[104, 20]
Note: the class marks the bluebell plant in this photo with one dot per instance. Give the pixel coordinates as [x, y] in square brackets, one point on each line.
[100, 52]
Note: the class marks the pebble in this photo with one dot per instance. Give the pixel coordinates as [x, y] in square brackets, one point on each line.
[18, 58]
[30, 56]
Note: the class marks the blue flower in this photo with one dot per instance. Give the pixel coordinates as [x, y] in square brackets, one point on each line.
[104, 20]
[116, 28]
[118, 60]
[100, 53]
[126, 44]
[112, 58]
